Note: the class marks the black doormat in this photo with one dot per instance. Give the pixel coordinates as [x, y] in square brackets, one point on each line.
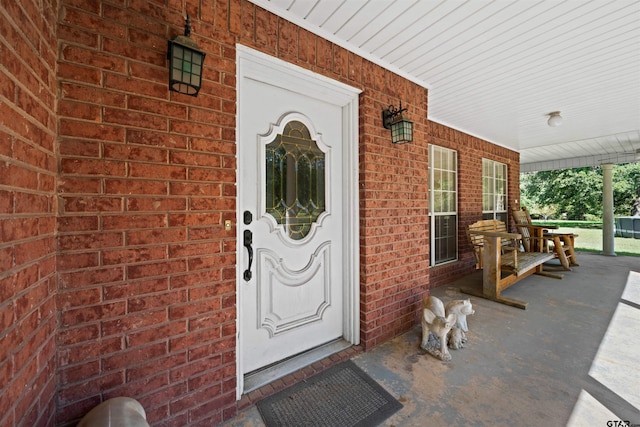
[340, 396]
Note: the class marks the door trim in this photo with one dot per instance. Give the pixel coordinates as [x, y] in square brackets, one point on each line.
[251, 64]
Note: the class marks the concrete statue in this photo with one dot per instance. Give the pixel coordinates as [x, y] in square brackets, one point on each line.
[435, 327]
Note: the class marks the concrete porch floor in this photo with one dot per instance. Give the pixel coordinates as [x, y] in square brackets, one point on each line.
[571, 358]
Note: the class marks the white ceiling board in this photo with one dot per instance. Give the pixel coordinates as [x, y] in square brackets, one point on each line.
[341, 17]
[496, 68]
[302, 8]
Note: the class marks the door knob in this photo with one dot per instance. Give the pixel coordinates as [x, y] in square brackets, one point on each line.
[248, 241]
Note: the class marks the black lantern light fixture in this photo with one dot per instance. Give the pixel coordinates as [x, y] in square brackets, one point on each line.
[185, 63]
[401, 128]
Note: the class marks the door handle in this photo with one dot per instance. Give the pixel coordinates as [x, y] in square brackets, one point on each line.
[248, 241]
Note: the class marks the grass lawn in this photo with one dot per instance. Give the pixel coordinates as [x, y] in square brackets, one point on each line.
[590, 240]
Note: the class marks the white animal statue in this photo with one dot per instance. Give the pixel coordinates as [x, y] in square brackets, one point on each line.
[118, 411]
[456, 338]
[435, 327]
[462, 309]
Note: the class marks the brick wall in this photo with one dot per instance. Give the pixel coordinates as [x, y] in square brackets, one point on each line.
[471, 151]
[27, 212]
[394, 249]
[147, 179]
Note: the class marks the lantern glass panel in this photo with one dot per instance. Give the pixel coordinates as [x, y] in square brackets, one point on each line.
[185, 69]
[401, 131]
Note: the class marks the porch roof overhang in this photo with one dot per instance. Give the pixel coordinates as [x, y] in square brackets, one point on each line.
[495, 70]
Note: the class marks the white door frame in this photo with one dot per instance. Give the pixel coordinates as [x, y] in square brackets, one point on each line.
[251, 64]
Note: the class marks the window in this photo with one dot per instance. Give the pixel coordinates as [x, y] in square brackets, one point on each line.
[443, 204]
[494, 190]
[295, 183]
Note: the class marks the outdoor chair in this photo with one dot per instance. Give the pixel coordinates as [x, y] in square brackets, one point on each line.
[537, 238]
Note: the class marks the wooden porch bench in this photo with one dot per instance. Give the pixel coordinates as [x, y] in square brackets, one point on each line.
[503, 264]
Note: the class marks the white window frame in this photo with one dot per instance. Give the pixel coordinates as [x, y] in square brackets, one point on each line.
[495, 190]
[443, 198]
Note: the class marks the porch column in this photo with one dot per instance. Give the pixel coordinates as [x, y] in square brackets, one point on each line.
[608, 244]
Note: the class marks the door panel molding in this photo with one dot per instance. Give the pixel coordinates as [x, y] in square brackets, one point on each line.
[274, 277]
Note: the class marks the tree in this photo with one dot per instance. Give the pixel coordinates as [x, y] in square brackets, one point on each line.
[626, 187]
[575, 192]
[578, 192]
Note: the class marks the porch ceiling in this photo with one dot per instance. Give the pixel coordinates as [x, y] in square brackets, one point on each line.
[495, 69]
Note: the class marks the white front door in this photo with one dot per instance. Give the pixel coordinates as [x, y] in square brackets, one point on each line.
[294, 285]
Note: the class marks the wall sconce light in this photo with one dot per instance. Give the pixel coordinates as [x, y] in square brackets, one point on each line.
[401, 128]
[555, 119]
[185, 63]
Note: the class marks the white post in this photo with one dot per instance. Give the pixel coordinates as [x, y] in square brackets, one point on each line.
[608, 243]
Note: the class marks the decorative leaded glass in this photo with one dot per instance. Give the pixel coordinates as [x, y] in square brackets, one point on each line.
[295, 190]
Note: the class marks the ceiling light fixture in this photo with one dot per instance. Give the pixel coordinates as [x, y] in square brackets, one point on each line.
[555, 119]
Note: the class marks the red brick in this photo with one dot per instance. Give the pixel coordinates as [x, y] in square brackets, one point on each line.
[156, 139]
[128, 222]
[194, 219]
[92, 204]
[134, 255]
[72, 261]
[151, 237]
[77, 335]
[92, 58]
[192, 189]
[192, 309]
[119, 82]
[73, 128]
[157, 107]
[129, 187]
[212, 290]
[193, 279]
[157, 333]
[132, 19]
[77, 223]
[27, 102]
[133, 357]
[193, 249]
[95, 385]
[131, 322]
[86, 277]
[135, 288]
[161, 300]
[198, 159]
[98, 96]
[33, 250]
[78, 35]
[87, 17]
[79, 110]
[130, 118]
[72, 147]
[89, 350]
[156, 269]
[73, 374]
[152, 367]
[156, 204]
[157, 171]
